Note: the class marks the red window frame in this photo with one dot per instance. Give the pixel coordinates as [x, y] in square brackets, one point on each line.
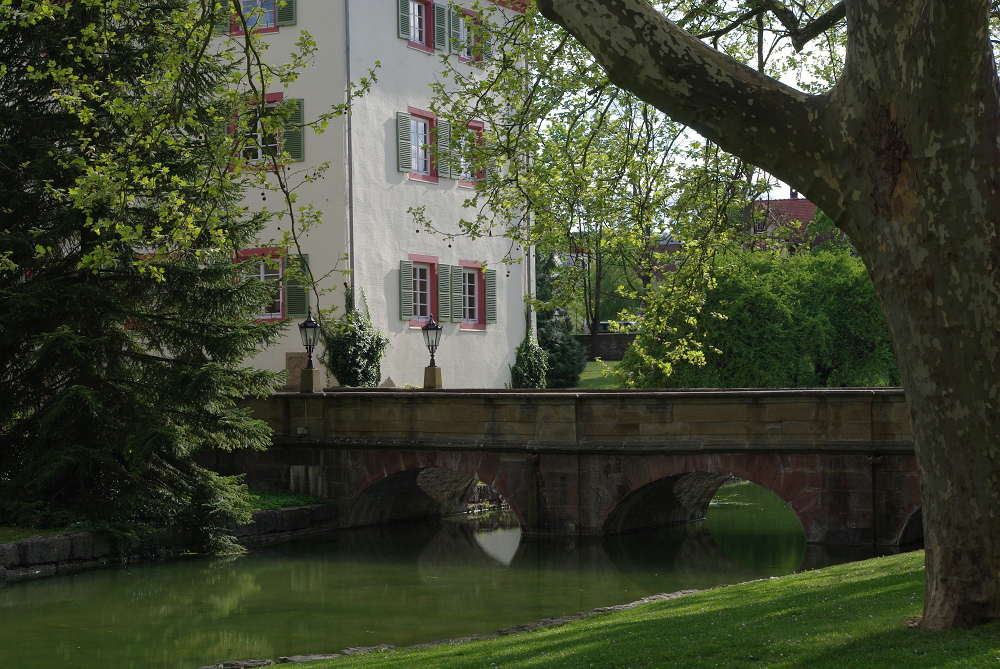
[432, 289]
[431, 119]
[479, 128]
[269, 252]
[480, 323]
[270, 99]
[428, 44]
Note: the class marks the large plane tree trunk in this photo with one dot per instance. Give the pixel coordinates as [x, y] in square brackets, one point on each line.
[903, 155]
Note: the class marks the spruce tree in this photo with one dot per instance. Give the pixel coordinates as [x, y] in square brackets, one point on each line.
[123, 319]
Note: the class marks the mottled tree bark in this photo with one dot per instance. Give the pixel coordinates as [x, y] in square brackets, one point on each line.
[903, 154]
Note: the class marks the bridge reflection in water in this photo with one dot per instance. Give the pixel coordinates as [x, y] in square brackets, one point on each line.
[399, 584]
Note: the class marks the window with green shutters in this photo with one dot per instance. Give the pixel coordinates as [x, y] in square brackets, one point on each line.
[286, 271]
[465, 294]
[417, 136]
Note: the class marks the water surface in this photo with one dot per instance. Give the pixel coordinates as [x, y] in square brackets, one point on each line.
[398, 585]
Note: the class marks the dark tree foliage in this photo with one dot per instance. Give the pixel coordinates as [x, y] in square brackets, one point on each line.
[123, 320]
[777, 321]
[353, 347]
[566, 356]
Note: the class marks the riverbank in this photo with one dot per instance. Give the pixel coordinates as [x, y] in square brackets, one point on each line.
[848, 616]
[70, 552]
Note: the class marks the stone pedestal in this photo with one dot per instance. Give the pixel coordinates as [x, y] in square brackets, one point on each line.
[310, 381]
[432, 377]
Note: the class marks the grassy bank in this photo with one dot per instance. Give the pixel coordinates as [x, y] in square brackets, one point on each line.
[593, 375]
[841, 617]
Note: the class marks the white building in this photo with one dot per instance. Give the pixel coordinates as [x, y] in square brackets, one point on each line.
[379, 168]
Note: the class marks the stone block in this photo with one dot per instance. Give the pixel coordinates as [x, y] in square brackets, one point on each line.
[9, 556]
[707, 412]
[323, 513]
[296, 518]
[788, 411]
[44, 550]
[267, 521]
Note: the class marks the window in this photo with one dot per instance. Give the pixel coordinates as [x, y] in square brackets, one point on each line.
[259, 14]
[422, 24]
[463, 294]
[470, 295]
[431, 26]
[275, 135]
[262, 16]
[468, 172]
[269, 270]
[421, 291]
[420, 144]
[415, 130]
[289, 297]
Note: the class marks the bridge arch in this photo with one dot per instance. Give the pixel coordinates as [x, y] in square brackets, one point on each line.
[680, 491]
[387, 488]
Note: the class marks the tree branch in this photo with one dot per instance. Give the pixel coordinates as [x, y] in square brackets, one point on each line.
[745, 112]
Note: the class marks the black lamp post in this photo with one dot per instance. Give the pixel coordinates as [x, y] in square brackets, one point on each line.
[432, 337]
[309, 381]
[309, 331]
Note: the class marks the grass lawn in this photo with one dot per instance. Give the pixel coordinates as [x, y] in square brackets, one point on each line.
[593, 375]
[847, 616]
[262, 498]
[10, 534]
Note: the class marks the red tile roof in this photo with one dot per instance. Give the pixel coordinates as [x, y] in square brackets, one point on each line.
[795, 209]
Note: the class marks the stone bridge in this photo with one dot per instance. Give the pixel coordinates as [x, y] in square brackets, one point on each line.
[600, 462]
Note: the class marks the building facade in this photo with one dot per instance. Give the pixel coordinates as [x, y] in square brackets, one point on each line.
[378, 168]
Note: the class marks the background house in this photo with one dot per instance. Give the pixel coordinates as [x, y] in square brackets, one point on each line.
[379, 168]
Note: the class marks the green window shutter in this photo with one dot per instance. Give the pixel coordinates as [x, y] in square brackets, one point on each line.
[285, 13]
[405, 290]
[487, 45]
[441, 27]
[404, 150]
[456, 294]
[455, 19]
[491, 296]
[403, 18]
[292, 136]
[296, 295]
[445, 166]
[444, 293]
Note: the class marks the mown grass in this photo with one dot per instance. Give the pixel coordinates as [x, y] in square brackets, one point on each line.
[265, 499]
[843, 617]
[593, 376]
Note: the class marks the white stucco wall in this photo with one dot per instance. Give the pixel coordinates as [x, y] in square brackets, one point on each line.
[383, 232]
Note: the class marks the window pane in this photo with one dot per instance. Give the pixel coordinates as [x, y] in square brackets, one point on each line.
[419, 140]
[265, 271]
[259, 13]
[421, 291]
[418, 22]
[470, 286]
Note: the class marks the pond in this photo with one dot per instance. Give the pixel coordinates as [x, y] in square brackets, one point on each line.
[400, 585]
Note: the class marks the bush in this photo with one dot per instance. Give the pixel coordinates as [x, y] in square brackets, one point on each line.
[353, 348]
[530, 363]
[567, 357]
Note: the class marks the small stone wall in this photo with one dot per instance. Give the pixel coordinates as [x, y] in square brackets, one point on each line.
[610, 345]
[72, 552]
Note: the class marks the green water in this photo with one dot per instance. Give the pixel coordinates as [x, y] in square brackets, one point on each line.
[399, 585]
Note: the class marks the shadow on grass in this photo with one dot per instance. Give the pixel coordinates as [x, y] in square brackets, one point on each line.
[849, 616]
